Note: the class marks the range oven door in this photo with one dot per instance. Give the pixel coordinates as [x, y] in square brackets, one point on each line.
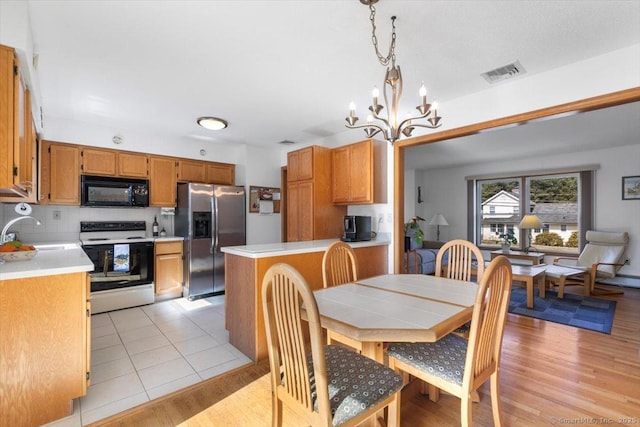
[120, 265]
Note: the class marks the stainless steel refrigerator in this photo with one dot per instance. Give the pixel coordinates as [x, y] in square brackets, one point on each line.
[209, 217]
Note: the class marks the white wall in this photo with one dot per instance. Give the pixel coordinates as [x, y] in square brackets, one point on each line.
[446, 192]
[262, 170]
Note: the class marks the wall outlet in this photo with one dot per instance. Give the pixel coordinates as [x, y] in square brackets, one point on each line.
[56, 214]
[389, 218]
[627, 262]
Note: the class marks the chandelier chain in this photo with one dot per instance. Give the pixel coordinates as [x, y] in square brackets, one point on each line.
[391, 56]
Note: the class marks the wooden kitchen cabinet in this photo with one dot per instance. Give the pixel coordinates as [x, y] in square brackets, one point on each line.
[311, 214]
[169, 276]
[17, 150]
[300, 211]
[300, 163]
[60, 174]
[44, 347]
[96, 161]
[162, 181]
[191, 171]
[132, 165]
[221, 173]
[360, 173]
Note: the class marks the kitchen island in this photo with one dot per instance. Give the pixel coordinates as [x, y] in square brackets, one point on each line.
[44, 334]
[245, 266]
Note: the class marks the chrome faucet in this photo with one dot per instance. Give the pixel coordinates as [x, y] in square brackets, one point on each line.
[3, 236]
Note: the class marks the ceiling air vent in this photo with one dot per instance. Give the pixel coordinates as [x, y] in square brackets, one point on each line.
[286, 142]
[503, 73]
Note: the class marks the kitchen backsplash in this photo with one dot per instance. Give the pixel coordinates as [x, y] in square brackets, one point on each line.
[62, 223]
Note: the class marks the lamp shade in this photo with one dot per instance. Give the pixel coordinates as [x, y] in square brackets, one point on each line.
[530, 221]
[438, 219]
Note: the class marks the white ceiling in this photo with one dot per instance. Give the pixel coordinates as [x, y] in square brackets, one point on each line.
[287, 70]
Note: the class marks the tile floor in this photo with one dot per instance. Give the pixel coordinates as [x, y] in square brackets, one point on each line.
[141, 353]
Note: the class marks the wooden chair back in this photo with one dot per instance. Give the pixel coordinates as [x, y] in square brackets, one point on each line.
[465, 260]
[339, 265]
[487, 324]
[284, 293]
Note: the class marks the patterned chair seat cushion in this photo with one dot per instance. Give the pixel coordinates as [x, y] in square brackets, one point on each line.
[444, 358]
[355, 383]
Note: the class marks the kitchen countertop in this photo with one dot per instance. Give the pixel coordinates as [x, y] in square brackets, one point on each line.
[292, 248]
[168, 239]
[51, 259]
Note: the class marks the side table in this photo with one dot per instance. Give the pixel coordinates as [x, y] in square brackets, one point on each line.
[535, 257]
[529, 274]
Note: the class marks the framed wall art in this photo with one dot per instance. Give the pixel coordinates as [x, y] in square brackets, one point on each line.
[631, 187]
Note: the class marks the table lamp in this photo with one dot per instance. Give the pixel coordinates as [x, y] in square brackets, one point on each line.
[438, 220]
[529, 222]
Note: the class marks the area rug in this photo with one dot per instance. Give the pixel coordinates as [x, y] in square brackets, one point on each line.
[573, 310]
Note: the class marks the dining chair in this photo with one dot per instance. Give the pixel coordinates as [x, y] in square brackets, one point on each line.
[339, 266]
[332, 384]
[464, 261]
[460, 366]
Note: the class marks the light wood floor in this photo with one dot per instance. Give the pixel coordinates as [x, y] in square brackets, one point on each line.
[550, 375]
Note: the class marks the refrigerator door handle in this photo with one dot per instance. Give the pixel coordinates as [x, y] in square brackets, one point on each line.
[214, 234]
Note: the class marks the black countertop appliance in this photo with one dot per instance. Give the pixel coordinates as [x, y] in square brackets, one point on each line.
[356, 228]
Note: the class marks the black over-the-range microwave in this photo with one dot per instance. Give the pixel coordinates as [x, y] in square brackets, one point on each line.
[104, 191]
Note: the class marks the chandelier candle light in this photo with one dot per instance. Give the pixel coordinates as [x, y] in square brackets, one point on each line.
[392, 128]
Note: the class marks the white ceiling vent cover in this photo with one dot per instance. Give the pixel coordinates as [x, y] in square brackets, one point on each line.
[503, 73]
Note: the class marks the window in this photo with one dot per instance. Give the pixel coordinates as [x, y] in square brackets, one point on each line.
[496, 207]
[562, 202]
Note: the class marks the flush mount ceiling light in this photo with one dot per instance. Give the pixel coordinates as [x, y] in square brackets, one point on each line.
[391, 127]
[212, 123]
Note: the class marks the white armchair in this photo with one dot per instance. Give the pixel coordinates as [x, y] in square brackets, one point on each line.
[601, 257]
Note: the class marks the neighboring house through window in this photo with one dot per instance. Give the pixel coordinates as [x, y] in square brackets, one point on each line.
[562, 201]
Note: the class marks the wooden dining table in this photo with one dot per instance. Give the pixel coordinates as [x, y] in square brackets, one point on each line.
[395, 308]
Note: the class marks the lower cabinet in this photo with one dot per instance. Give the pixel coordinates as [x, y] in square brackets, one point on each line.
[45, 341]
[168, 269]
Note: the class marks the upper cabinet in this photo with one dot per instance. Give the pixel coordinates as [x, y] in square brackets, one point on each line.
[300, 164]
[60, 174]
[221, 173]
[96, 161]
[162, 181]
[191, 171]
[99, 161]
[206, 172]
[134, 165]
[360, 173]
[17, 136]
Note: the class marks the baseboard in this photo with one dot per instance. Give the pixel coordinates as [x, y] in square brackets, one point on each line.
[621, 280]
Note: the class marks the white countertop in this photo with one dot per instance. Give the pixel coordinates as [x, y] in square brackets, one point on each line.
[168, 239]
[292, 248]
[51, 259]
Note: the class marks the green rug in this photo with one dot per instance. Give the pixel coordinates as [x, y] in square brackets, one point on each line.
[573, 310]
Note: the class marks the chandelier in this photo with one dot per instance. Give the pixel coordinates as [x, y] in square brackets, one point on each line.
[391, 126]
